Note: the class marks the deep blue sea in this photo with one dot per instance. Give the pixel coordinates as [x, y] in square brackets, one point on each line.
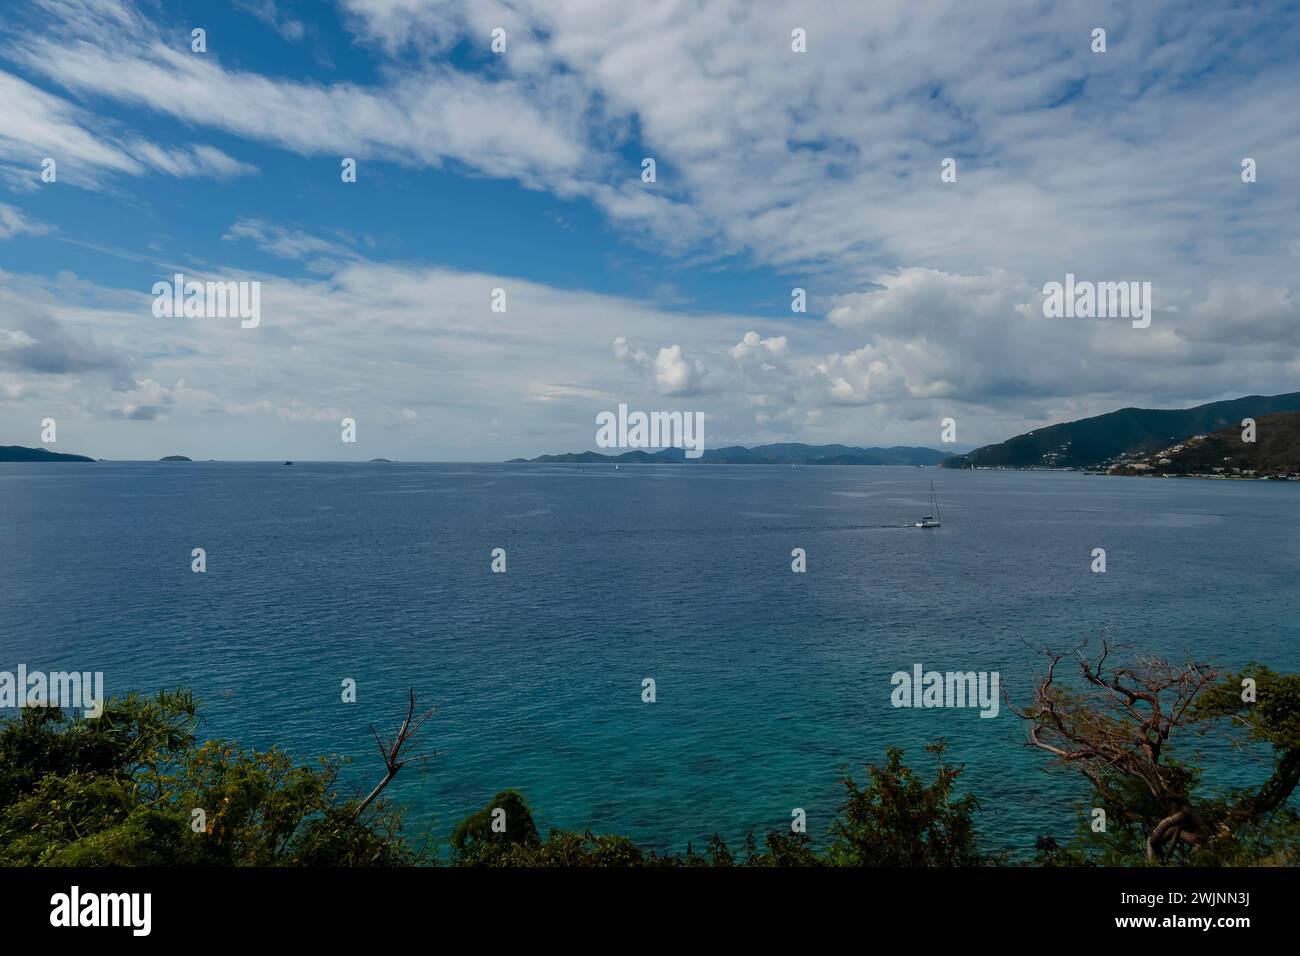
[769, 683]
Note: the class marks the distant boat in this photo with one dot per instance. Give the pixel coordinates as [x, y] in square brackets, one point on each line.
[931, 520]
[288, 463]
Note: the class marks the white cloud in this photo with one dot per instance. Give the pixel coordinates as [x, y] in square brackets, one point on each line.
[423, 118]
[823, 166]
[828, 162]
[14, 221]
[670, 370]
[287, 243]
[15, 339]
[674, 374]
[428, 370]
[146, 401]
[824, 163]
[754, 346]
[291, 28]
[35, 124]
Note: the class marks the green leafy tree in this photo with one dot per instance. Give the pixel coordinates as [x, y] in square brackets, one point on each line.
[122, 790]
[898, 819]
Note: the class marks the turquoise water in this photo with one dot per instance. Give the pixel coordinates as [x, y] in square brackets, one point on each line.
[768, 682]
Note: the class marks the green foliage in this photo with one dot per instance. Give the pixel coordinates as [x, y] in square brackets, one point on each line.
[785, 849]
[1131, 813]
[899, 820]
[1257, 826]
[121, 790]
[568, 849]
[1272, 718]
[475, 843]
[1244, 827]
[132, 733]
[896, 820]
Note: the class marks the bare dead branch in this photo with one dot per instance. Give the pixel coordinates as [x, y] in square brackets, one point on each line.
[391, 752]
[1118, 723]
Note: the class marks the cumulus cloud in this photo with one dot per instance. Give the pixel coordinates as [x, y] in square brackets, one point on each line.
[670, 370]
[753, 347]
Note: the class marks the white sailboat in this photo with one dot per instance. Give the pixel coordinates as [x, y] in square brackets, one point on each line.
[930, 520]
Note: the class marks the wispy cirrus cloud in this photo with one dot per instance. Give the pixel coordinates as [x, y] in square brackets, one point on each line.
[35, 124]
[425, 118]
[322, 255]
[14, 222]
[270, 13]
[820, 163]
[829, 161]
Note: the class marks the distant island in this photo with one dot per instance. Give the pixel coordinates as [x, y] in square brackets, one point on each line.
[19, 453]
[1119, 439]
[1204, 441]
[777, 454]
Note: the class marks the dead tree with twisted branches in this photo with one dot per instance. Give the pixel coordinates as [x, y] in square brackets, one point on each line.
[1119, 725]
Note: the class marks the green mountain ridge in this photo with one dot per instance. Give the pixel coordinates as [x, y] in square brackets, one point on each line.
[1126, 434]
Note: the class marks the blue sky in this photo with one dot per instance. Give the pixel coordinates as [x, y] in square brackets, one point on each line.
[414, 215]
[521, 171]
